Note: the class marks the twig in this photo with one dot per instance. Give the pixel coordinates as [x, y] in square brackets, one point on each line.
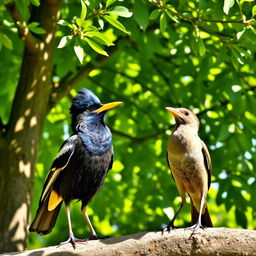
[30, 41]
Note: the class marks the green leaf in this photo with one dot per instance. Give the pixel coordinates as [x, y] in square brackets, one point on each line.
[109, 2]
[140, 14]
[95, 46]
[80, 22]
[201, 47]
[38, 30]
[172, 17]
[253, 10]
[64, 23]
[32, 25]
[155, 14]
[252, 29]
[35, 2]
[239, 34]
[198, 47]
[90, 28]
[83, 11]
[121, 11]
[6, 41]
[237, 55]
[105, 40]
[79, 51]
[163, 22]
[101, 23]
[227, 5]
[114, 22]
[66, 40]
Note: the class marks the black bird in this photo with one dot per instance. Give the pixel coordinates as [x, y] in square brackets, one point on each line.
[80, 167]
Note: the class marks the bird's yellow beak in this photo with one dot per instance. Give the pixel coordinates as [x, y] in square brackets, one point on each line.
[175, 112]
[108, 106]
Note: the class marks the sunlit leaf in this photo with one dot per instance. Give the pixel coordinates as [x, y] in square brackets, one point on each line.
[95, 46]
[101, 23]
[227, 5]
[66, 40]
[121, 11]
[239, 34]
[35, 2]
[254, 11]
[109, 2]
[101, 36]
[114, 22]
[83, 11]
[64, 23]
[79, 51]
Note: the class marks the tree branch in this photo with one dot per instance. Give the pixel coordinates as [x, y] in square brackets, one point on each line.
[211, 241]
[70, 81]
[32, 43]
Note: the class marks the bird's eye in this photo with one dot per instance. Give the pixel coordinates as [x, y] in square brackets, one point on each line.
[90, 109]
[186, 113]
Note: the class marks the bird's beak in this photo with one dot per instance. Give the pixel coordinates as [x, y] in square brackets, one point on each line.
[108, 106]
[175, 112]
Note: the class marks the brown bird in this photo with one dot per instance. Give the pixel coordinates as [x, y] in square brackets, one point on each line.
[190, 164]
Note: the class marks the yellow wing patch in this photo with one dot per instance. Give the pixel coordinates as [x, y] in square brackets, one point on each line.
[54, 200]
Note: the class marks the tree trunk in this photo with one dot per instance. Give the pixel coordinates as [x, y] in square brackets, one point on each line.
[20, 141]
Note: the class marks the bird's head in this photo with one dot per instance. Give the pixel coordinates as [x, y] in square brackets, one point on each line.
[86, 106]
[184, 116]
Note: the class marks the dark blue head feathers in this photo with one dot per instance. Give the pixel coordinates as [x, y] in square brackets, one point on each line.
[83, 100]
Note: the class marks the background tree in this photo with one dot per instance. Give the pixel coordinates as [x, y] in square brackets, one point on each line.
[196, 54]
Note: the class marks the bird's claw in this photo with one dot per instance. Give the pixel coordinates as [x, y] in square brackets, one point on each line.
[73, 241]
[195, 227]
[168, 228]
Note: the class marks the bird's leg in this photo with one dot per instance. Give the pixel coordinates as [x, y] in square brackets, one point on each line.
[71, 238]
[93, 232]
[171, 224]
[198, 225]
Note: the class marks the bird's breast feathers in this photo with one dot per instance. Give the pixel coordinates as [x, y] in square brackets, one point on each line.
[96, 143]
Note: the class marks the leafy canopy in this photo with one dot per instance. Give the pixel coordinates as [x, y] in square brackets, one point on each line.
[196, 54]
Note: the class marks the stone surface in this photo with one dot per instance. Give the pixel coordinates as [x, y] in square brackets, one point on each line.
[211, 241]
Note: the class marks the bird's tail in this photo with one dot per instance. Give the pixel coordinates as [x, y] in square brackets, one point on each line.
[44, 220]
[205, 218]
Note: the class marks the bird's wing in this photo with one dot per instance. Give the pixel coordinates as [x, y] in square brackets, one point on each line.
[60, 162]
[111, 161]
[167, 158]
[207, 162]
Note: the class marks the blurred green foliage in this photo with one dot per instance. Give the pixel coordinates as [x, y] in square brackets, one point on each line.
[197, 54]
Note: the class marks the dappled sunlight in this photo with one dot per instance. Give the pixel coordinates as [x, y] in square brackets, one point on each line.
[33, 121]
[17, 225]
[20, 124]
[25, 168]
[29, 96]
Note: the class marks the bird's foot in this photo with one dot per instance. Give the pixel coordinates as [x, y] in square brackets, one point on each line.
[168, 228]
[73, 241]
[195, 227]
